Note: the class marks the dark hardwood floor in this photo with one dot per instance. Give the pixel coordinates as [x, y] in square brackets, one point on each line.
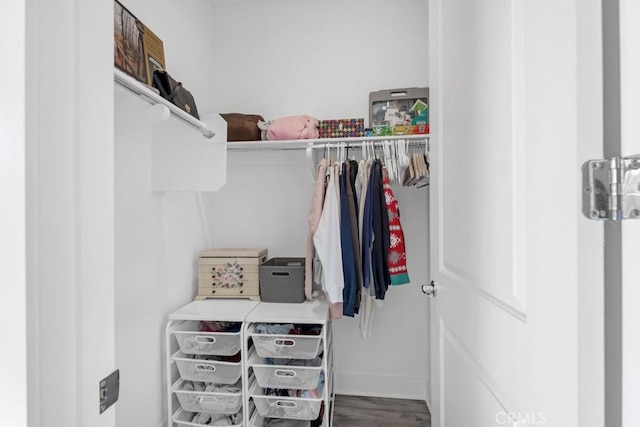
[358, 411]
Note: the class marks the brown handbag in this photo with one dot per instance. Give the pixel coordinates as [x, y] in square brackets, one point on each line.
[242, 127]
[173, 91]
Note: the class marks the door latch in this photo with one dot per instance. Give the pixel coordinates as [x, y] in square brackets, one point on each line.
[109, 390]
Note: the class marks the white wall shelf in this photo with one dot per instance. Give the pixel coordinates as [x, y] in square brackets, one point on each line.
[187, 154]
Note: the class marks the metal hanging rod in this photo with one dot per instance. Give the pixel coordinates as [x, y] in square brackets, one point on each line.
[304, 144]
[153, 98]
[414, 142]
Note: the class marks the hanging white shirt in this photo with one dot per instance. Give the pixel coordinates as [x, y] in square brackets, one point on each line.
[327, 241]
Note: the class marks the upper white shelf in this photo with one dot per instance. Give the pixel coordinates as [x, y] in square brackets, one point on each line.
[300, 144]
[149, 96]
[186, 153]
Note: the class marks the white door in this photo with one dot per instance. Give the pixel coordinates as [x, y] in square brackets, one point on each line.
[516, 102]
[630, 230]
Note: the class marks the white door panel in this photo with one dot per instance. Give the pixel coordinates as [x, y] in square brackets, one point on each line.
[505, 213]
[466, 377]
[483, 109]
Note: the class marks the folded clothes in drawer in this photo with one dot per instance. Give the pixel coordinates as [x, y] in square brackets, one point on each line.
[269, 341]
[196, 337]
[203, 419]
[274, 406]
[198, 368]
[208, 397]
[258, 421]
[287, 373]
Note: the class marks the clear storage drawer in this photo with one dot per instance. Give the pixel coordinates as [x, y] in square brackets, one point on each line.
[298, 408]
[212, 371]
[286, 346]
[286, 376]
[202, 401]
[193, 341]
[184, 419]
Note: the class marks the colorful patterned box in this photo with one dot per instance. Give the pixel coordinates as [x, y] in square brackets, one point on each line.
[341, 128]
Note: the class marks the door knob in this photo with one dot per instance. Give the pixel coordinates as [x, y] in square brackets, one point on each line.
[430, 289]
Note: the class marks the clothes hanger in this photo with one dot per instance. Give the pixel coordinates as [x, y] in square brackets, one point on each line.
[396, 161]
[386, 159]
[410, 174]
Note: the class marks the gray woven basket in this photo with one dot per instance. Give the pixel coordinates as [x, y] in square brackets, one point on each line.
[282, 280]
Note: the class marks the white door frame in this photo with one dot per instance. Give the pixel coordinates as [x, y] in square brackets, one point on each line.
[13, 298]
[70, 210]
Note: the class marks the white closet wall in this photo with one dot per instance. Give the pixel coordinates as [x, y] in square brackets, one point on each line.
[274, 58]
[284, 57]
[265, 202]
[158, 235]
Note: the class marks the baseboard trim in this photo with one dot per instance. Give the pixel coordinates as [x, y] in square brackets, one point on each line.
[372, 385]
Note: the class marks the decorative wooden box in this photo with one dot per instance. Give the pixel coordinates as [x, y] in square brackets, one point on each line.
[230, 273]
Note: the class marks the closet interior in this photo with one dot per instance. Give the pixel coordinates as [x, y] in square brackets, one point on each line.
[181, 188]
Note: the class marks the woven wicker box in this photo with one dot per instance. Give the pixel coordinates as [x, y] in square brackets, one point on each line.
[230, 273]
[282, 280]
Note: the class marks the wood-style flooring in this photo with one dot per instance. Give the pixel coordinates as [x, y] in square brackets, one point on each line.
[358, 411]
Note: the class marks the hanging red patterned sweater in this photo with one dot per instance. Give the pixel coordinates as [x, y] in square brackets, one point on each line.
[397, 259]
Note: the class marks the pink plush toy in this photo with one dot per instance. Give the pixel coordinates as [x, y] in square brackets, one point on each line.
[293, 127]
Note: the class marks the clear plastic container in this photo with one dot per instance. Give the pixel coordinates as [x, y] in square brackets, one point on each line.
[210, 371]
[183, 419]
[201, 401]
[286, 376]
[192, 341]
[286, 346]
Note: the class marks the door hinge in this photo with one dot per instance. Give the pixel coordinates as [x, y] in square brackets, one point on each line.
[611, 188]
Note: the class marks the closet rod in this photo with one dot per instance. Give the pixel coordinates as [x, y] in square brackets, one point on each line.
[153, 98]
[377, 143]
[303, 144]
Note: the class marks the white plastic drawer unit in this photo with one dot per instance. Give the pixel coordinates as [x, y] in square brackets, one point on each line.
[193, 341]
[286, 376]
[202, 401]
[211, 371]
[297, 408]
[184, 419]
[286, 346]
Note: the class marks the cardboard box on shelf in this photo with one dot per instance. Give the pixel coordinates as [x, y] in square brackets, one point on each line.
[153, 53]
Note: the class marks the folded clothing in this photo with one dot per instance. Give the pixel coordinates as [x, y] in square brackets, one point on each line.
[213, 419]
[211, 387]
[280, 422]
[288, 329]
[295, 362]
[206, 326]
[310, 394]
[233, 359]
